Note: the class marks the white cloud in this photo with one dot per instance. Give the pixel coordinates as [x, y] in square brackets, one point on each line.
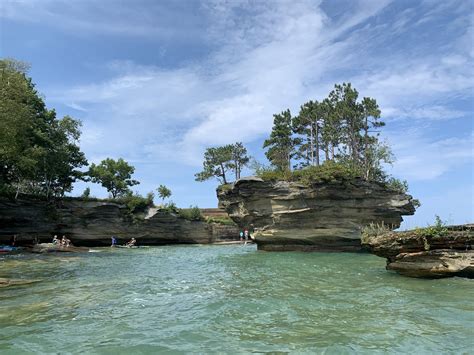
[421, 158]
[270, 56]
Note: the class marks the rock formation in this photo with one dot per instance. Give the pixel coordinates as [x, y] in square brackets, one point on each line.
[92, 223]
[421, 254]
[325, 216]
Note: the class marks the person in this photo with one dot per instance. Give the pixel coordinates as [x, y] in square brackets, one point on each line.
[55, 240]
[131, 243]
[65, 242]
[241, 236]
[246, 236]
[13, 241]
[114, 241]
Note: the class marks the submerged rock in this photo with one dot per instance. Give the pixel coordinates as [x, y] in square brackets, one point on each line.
[427, 253]
[15, 282]
[321, 217]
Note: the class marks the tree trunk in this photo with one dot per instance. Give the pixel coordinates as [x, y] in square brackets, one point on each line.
[366, 141]
[311, 145]
[317, 144]
[223, 173]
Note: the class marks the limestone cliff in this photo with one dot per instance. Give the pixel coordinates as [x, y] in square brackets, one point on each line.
[325, 216]
[92, 223]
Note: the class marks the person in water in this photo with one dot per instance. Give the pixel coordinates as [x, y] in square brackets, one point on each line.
[114, 241]
[131, 243]
[55, 240]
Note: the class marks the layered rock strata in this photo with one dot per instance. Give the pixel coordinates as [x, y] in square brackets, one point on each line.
[419, 254]
[92, 223]
[322, 217]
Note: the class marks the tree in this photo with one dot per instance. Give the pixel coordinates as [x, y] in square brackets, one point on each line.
[281, 144]
[239, 158]
[308, 125]
[115, 176]
[163, 192]
[38, 152]
[371, 115]
[217, 161]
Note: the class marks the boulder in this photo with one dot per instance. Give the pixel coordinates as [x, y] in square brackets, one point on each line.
[326, 216]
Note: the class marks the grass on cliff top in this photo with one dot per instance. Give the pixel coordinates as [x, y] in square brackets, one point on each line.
[327, 172]
[437, 229]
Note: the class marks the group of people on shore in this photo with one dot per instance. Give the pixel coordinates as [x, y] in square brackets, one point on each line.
[63, 242]
[244, 236]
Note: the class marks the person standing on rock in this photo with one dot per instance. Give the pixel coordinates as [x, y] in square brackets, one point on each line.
[246, 236]
[241, 234]
[114, 241]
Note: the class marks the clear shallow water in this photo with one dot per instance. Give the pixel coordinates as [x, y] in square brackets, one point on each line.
[229, 299]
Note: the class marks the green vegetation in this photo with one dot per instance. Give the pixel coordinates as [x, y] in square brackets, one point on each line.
[163, 192]
[39, 153]
[169, 207]
[220, 220]
[218, 161]
[115, 176]
[135, 202]
[193, 213]
[281, 144]
[374, 230]
[336, 139]
[438, 229]
[86, 194]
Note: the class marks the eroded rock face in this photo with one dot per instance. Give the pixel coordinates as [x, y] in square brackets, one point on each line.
[417, 254]
[325, 217]
[92, 223]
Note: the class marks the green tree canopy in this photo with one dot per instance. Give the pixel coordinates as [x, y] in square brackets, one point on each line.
[38, 152]
[218, 161]
[340, 128]
[281, 144]
[239, 158]
[114, 175]
[163, 192]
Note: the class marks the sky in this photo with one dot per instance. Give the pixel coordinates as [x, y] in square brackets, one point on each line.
[156, 82]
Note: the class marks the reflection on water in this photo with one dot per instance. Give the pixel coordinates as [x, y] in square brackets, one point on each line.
[228, 299]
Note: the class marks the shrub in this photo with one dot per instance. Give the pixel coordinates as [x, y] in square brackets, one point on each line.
[329, 171]
[397, 185]
[193, 213]
[374, 230]
[87, 193]
[169, 207]
[220, 220]
[438, 229]
[134, 202]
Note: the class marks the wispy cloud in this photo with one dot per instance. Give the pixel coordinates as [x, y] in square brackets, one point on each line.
[267, 56]
[423, 158]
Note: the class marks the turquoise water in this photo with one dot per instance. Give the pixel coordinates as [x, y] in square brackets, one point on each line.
[228, 299]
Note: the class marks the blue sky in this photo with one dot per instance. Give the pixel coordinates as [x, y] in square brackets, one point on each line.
[156, 82]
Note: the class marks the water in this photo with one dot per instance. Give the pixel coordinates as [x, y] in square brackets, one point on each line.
[231, 299]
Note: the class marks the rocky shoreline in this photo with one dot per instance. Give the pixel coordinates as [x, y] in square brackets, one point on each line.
[92, 223]
[427, 253]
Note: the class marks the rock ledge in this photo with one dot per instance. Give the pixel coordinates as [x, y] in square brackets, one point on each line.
[322, 217]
